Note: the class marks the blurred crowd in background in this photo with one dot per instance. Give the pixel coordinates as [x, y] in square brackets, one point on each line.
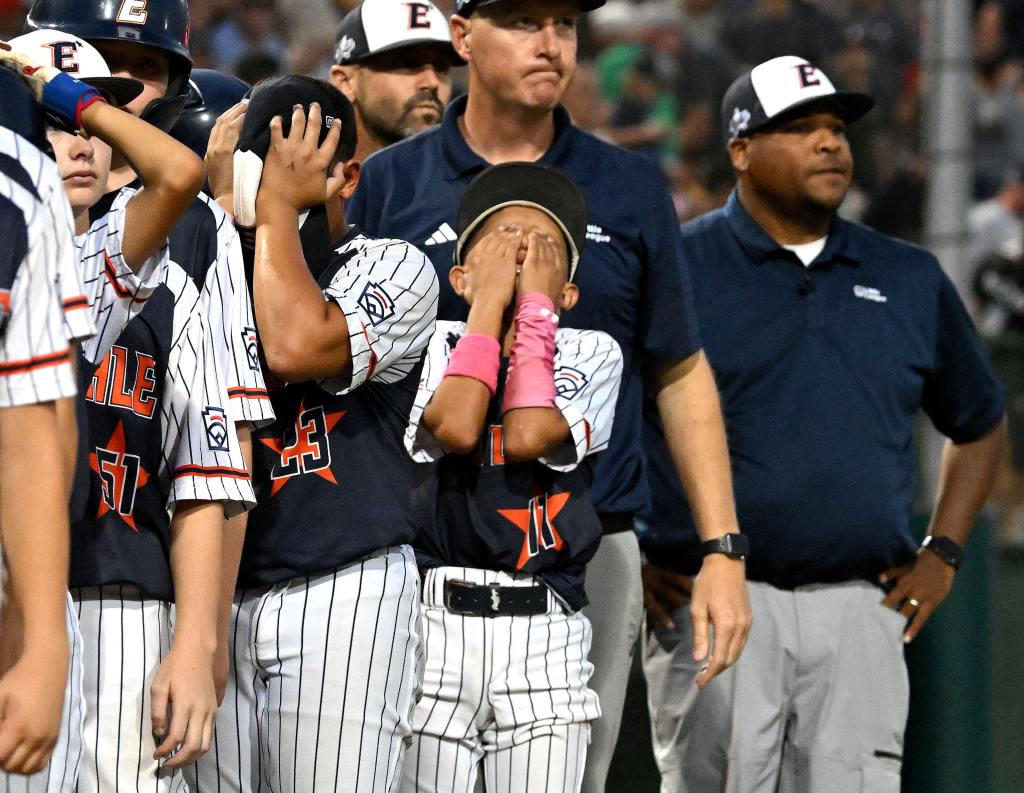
[650, 78]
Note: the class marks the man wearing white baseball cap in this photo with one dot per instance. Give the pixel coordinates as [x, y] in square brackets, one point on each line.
[827, 339]
[392, 61]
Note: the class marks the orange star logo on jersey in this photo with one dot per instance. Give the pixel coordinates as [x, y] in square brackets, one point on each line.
[304, 448]
[537, 523]
[121, 477]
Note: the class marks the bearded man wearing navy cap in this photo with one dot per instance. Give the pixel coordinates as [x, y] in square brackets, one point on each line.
[392, 60]
[827, 340]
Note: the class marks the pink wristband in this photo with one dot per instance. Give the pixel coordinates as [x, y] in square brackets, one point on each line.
[531, 382]
[477, 356]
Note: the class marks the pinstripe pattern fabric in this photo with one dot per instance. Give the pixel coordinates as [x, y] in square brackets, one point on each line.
[388, 291]
[587, 371]
[322, 685]
[115, 293]
[193, 467]
[228, 307]
[508, 694]
[34, 357]
[42, 173]
[61, 772]
[124, 639]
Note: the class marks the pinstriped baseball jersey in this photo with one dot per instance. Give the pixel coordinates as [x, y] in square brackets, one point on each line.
[331, 475]
[35, 363]
[534, 517]
[205, 244]
[159, 433]
[37, 173]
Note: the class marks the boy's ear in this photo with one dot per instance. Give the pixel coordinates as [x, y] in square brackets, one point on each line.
[457, 278]
[351, 171]
[570, 294]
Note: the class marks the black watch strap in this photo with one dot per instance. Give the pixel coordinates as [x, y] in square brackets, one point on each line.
[736, 546]
[947, 550]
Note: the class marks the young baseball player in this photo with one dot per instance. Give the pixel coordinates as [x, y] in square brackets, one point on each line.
[166, 467]
[509, 405]
[35, 374]
[150, 44]
[325, 635]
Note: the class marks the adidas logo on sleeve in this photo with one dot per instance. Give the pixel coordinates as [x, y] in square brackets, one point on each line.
[444, 234]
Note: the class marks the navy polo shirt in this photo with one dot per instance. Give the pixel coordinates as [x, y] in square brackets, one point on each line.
[822, 372]
[633, 284]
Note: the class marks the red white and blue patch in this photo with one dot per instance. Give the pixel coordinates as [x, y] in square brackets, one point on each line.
[216, 423]
[569, 381]
[377, 303]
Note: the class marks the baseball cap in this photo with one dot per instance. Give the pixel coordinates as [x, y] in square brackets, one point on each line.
[277, 97]
[779, 86]
[466, 7]
[376, 26]
[81, 60]
[525, 184]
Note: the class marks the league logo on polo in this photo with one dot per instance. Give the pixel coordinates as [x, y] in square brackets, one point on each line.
[216, 423]
[569, 382]
[377, 303]
[252, 352]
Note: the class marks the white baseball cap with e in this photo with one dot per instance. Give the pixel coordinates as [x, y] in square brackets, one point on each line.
[376, 26]
[78, 58]
[779, 86]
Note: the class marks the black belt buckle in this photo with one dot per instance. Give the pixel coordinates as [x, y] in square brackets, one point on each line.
[493, 600]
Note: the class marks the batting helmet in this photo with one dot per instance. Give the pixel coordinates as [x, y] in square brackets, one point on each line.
[210, 94]
[158, 23]
[20, 112]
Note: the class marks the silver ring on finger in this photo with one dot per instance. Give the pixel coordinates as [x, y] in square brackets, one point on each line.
[914, 602]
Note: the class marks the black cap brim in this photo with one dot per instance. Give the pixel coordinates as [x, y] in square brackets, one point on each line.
[525, 184]
[850, 106]
[585, 5]
[118, 91]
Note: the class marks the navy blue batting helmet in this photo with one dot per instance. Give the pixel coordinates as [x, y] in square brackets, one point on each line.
[157, 23]
[20, 111]
[210, 94]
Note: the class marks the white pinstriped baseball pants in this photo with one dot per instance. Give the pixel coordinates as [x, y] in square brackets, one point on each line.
[324, 676]
[508, 692]
[60, 774]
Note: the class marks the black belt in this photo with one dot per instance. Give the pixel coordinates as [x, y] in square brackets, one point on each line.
[491, 600]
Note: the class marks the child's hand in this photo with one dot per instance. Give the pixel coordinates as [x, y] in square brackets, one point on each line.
[220, 152]
[31, 707]
[296, 169]
[491, 267]
[184, 707]
[544, 269]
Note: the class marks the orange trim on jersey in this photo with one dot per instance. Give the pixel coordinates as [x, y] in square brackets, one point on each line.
[5, 300]
[211, 471]
[586, 426]
[241, 392]
[371, 367]
[75, 303]
[119, 290]
[29, 364]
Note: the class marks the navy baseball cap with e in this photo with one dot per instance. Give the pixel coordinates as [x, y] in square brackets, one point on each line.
[777, 88]
[377, 26]
[525, 184]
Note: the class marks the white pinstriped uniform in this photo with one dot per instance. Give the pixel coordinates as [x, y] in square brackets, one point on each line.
[43, 174]
[229, 309]
[35, 367]
[510, 693]
[126, 633]
[325, 667]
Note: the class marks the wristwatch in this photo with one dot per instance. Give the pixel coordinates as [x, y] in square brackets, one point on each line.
[735, 546]
[947, 550]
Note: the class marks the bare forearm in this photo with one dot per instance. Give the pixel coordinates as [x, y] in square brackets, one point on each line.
[34, 519]
[530, 433]
[67, 427]
[296, 329]
[455, 414]
[234, 540]
[691, 414]
[967, 476]
[197, 534]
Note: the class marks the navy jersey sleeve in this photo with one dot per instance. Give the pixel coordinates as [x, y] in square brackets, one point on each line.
[962, 395]
[668, 323]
